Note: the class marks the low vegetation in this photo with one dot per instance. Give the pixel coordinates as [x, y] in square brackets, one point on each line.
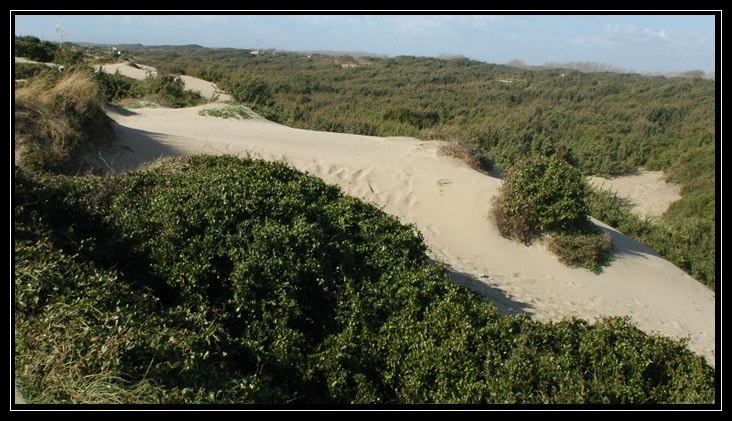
[236, 112]
[226, 280]
[166, 90]
[546, 195]
[33, 48]
[469, 154]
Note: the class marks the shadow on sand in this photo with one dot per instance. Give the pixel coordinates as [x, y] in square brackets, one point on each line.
[132, 149]
[625, 245]
[505, 304]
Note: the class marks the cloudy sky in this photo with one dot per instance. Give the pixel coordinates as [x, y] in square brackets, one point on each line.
[641, 43]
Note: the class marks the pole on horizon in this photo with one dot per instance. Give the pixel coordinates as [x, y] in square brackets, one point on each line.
[61, 34]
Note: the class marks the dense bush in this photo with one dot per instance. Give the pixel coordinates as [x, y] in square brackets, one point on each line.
[247, 89]
[217, 279]
[417, 119]
[165, 89]
[546, 195]
[34, 49]
[587, 247]
[28, 70]
[169, 91]
[540, 195]
[116, 86]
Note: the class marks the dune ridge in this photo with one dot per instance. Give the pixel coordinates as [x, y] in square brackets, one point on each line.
[449, 203]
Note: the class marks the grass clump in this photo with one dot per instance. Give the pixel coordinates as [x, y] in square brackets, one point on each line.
[237, 112]
[546, 195]
[226, 280]
[468, 153]
[57, 117]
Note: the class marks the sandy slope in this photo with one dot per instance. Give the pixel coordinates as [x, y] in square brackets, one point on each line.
[449, 203]
[648, 191]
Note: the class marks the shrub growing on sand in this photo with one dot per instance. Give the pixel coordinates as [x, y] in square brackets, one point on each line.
[226, 280]
[540, 194]
[34, 49]
[236, 112]
[547, 195]
[469, 154]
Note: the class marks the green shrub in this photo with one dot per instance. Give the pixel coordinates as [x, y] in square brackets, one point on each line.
[547, 196]
[29, 70]
[33, 48]
[539, 195]
[588, 247]
[170, 91]
[225, 280]
[417, 119]
[165, 89]
[68, 56]
[248, 90]
[116, 86]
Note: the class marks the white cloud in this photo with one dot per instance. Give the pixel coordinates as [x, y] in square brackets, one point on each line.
[213, 18]
[611, 28]
[592, 42]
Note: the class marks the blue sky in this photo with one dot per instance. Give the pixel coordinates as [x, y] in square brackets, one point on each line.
[641, 43]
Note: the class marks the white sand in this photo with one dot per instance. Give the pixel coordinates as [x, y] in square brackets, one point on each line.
[449, 204]
[648, 191]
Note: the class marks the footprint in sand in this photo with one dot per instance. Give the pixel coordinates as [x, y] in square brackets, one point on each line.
[443, 183]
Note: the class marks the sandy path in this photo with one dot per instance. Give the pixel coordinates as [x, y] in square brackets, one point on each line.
[648, 191]
[448, 202]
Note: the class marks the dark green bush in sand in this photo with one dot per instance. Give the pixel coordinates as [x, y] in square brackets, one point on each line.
[546, 195]
[225, 280]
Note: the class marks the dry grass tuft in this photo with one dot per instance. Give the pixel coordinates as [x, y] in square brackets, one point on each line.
[468, 153]
[57, 118]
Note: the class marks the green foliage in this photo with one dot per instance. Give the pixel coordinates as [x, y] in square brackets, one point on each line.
[247, 89]
[232, 111]
[115, 86]
[587, 247]
[165, 89]
[417, 119]
[225, 280]
[69, 56]
[544, 195]
[34, 49]
[539, 195]
[170, 91]
[29, 70]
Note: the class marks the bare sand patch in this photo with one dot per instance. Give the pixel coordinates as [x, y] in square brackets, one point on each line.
[648, 191]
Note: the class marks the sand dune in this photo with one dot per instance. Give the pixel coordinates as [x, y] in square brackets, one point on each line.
[449, 203]
[648, 191]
